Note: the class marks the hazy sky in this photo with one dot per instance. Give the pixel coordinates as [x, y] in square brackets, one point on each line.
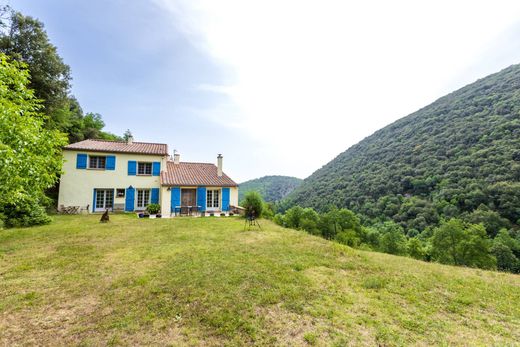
[278, 87]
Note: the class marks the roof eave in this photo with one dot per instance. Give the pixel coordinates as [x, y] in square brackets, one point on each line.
[111, 151]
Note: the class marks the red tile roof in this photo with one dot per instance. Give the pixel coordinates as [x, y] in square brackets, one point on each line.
[119, 147]
[194, 174]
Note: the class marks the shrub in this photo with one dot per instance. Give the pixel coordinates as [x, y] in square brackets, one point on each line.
[23, 214]
[153, 208]
[348, 237]
[253, 203]
[279, 219]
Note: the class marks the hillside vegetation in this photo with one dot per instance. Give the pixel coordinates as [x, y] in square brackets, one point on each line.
[458, 157]
[206, 281]
[272, 188]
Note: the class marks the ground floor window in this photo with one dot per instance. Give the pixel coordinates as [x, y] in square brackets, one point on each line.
[104, 199]
[213, 198]
[143, 198]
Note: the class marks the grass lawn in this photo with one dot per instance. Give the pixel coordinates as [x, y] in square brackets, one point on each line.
[205, 281]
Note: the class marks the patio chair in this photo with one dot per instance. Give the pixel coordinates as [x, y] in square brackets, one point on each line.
[185, 210]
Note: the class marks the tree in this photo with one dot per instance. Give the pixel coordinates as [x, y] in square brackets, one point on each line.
[459, 244]
[253, 203]
[293, 217]
[127, 135]
[415, 248]
[25, 40]
[392, 239]
[30, 154]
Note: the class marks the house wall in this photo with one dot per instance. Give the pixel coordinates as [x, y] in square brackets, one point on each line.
[77, 185]
[166, 198]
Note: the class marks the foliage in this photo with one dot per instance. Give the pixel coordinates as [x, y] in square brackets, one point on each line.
[153, 208]
[272, 188]
[392, 238]
[253, 203]
[506, 250]
[457, 243]
[30, 155]
[24, 39]
[415, 248]
[456, 158]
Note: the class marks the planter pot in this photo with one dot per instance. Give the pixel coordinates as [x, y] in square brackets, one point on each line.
[158, 216]
[140, 215]
[152, 216]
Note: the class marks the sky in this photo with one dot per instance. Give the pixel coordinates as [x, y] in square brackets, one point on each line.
[277, 87]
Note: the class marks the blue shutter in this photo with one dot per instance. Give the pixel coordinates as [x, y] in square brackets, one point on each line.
[111, 162]
[132, 167]
[129, 200]
[155, 196]
[175, 198]
[225, 199]
[201, 198]
[94, 202]
[156, 168]
[81, 161]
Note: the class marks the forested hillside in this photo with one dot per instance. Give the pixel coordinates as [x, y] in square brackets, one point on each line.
[458, 157]
[272, 188]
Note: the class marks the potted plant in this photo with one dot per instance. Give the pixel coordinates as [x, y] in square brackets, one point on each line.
[153, 210]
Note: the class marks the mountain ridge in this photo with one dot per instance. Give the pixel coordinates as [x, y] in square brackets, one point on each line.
[429, 165]
[273, 188]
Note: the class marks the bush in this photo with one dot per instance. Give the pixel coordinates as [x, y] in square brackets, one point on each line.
[153, 208]
[293, 217]
[268, 211]
[348, 237]
[24, 214]
[279, 219]
[253, 203]
[415, 248]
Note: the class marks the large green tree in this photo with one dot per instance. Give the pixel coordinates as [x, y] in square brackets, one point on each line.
[24, 39]
[30, 154]
[457, 243]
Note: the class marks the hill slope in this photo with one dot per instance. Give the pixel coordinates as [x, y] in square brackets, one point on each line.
[206, 281]
[272, 188]
[459, 154]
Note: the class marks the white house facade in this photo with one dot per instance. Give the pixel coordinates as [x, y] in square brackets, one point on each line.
[128, 176]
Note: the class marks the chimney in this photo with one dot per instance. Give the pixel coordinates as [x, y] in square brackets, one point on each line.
[176, 157]
[219, 165]
[130, 140]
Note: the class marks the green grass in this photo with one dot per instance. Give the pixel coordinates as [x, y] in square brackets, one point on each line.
[205, 281]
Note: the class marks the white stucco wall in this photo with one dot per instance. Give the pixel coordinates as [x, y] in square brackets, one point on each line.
[77, 185]
[166, 198]
[233, 198]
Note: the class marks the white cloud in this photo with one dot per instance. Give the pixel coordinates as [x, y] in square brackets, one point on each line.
[310, 78]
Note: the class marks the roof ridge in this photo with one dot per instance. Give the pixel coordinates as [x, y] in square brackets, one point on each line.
[191, 162]
[117, 141]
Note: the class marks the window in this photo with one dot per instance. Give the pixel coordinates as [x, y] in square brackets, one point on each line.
[144, 168]
[120, 193]
[97, 162]
[104, 199]
[213, 198]
[143, 198]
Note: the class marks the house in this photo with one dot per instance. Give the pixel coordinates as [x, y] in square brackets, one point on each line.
[128, 176]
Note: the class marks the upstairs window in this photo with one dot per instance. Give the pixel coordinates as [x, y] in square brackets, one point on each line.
[97, 162]
[144, 169]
